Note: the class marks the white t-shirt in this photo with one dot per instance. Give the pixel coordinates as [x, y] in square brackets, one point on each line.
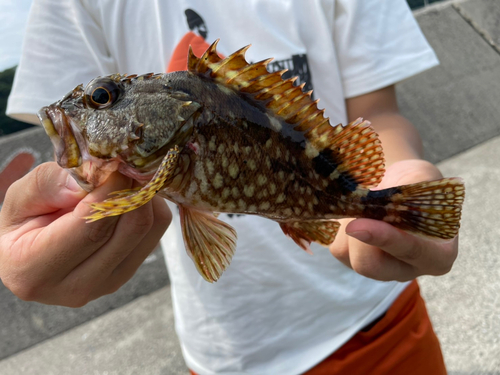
[276, 310]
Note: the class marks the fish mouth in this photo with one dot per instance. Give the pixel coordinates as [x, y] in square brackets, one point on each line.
[88, 171]
[57, 127]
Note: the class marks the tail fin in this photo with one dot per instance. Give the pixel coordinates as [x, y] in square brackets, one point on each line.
[430, 208]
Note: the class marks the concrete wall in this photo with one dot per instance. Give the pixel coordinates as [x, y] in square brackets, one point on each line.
[456, 105]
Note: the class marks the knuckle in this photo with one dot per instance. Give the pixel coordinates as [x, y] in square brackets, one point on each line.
[446, 264]
[40, 174]
[78, 296]
[141, 220]
[112, 287]
[340, 254]
[383, 241]
[162, 214]
[100, 231]
[23, 290]
[146, 221]
[368, 268]
[441, 270]
[141, 224]
[336, 251]
[77, 303]
[410, 254]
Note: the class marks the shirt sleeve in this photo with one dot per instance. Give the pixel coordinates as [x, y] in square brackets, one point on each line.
[63, 47]
[379, 43]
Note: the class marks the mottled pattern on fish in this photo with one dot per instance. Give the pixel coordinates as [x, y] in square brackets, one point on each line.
[237, 139]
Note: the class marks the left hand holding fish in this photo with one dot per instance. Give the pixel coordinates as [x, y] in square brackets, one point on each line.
[49, 255]
[380, 251]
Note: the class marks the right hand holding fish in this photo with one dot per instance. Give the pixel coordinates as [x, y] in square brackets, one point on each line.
[49, 255]
[380, 251]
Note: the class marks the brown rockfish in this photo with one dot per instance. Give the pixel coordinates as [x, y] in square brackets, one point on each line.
[228, 136]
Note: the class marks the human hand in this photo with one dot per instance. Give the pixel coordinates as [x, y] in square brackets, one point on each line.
[378, 250]
[50, 255]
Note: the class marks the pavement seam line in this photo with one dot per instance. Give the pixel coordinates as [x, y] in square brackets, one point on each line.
[483, 33]
[431, 7]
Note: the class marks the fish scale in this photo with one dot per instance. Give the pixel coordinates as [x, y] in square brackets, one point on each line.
[247, 176]
[228, 136]
[242, 181]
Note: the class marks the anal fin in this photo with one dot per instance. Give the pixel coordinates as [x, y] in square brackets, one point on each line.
[209, 242]
[305, 232]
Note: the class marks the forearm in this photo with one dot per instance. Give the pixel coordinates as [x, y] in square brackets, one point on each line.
[400, 139]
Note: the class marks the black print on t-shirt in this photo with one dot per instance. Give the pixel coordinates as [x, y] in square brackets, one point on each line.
[297, 66]
[196, 23]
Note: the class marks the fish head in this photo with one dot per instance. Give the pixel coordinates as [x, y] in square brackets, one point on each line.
[117, 122]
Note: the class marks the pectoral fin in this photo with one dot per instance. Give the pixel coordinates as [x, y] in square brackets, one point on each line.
[131, 199]
[209, 242]
[305, 232]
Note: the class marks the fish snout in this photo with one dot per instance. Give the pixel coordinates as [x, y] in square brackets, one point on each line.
[58, 128]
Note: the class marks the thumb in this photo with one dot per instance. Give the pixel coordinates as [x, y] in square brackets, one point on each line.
[46, 189]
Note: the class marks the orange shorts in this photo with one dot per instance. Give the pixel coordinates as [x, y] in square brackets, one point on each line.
[401, 342]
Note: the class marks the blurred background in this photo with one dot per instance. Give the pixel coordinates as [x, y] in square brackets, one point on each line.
[456, 108]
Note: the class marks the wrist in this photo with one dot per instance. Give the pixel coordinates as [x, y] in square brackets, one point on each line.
[413, 170]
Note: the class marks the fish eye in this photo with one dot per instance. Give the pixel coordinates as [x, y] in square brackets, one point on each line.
[100, 96]
[102, 93]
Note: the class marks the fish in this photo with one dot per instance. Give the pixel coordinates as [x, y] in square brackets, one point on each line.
[228, 136]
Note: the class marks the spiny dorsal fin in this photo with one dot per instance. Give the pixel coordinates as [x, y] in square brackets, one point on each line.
[355, 147]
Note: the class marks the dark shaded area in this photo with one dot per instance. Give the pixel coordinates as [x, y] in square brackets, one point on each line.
[8, 125]
[414, 4]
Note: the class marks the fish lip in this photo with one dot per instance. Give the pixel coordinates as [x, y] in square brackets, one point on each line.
[58, 128]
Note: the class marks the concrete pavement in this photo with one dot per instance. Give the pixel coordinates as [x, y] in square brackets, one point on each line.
[464, 305]
[455, 108]
[137, 338]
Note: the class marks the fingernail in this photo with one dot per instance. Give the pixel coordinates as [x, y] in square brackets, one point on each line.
[361, 235]
[72, 185]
